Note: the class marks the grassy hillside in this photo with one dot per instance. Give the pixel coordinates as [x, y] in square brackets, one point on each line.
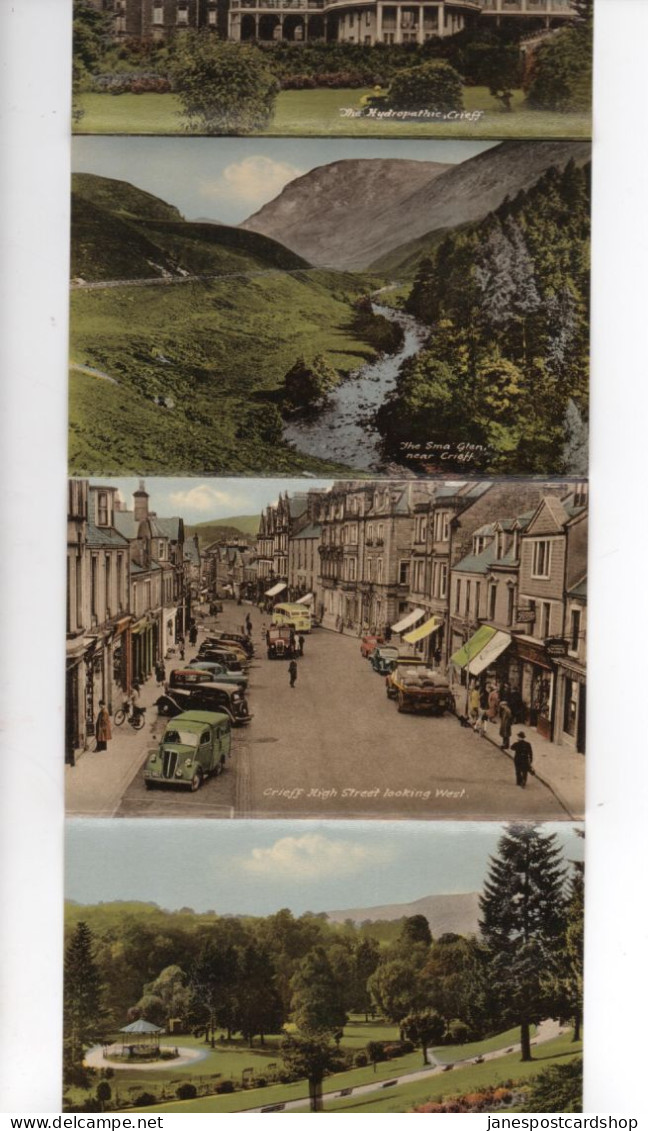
[220, 351]
[403, 262]
[215, 351]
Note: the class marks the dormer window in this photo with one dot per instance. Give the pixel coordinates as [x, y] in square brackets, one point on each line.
[102, 508]
[158, 12]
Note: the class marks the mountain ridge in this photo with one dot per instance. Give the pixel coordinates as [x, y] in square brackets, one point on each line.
[457, 913]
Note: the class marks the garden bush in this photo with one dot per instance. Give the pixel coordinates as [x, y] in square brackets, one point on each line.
[145, 1099]
[186, 1092]
[360, 1060]
[225, 1087]
[431, 86]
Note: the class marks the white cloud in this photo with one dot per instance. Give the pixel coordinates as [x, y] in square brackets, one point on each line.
[205, 497]
[255, 179]
[311, 856]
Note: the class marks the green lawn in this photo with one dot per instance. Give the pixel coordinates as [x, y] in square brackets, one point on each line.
[397, 1099]
[317, 113]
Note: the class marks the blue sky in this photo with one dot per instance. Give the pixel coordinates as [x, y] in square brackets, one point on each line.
[227, 179]
[258, 867]
[198, 500]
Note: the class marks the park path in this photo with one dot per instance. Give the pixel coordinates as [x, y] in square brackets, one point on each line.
[547, 1031]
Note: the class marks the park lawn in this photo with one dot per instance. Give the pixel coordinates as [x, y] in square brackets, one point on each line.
[227, 347]
[462, 1080]
[317, 113]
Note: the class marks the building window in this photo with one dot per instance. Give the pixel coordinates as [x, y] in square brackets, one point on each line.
[477, 598]
[467, 605]
[158, 14]
[493, 603]
[212, 16]
[443, 579]
[510, 613]
[421, 528]
[458, 596]
[574, 630]
[93, 585]
[108, 583]
[183, 14]
[102, 508]
[380, 571]
[352, 569]
[546, 619]
[541, 558]
[403, 573]
[445, 527]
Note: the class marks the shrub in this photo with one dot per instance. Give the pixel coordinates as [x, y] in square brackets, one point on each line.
[560, 74]
[225, 1087]
[376, 1051]
[431, 86]
[145, 1099]
[224, 88]
[458, 1032]
[261, 1082]
[361, 1060]
[186, 1092]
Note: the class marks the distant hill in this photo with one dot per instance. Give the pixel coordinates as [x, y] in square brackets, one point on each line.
[350, 214]
[210, 531]
[120, 232]
[457, 914]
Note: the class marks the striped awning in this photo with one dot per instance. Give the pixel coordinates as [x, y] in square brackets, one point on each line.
[473, 647]
[307, 599]
[496, 645]
[423, 630]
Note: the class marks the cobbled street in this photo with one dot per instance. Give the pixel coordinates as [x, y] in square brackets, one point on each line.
[335, 746]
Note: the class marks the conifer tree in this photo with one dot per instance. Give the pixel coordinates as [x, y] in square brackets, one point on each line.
[523, 910]
[82, 996]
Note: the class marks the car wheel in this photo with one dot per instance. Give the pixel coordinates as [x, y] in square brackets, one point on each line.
[401, 702]
[119, 717]
[164, 707]
[196, 781]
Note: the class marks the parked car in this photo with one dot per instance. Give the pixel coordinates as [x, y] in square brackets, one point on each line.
[219, 672]
[227, 645]
[384, 658]
[418, 688]
[231, 660]
[280, 642]
[368, 644]
[227, 638]
[194, 746]
[190, 676]
[207, 695]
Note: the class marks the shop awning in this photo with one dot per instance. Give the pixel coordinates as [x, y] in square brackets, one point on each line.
[423, 630]
[473, 647]
[307, 599]
[408, 620]
[276, 589]
[498, 644]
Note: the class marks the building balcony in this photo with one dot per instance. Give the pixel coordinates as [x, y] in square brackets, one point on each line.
[562, 8]
[278, 5]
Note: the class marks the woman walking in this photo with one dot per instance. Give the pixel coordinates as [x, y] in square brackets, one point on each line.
[102, 727]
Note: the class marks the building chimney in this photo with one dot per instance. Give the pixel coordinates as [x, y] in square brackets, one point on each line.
[140, 504]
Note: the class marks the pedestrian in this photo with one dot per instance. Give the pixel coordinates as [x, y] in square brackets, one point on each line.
[437, 657]
[516, 705]
[102, 727]
[300, 641]
[160, 673]
[506, 724]
[248, 625]
[193, 634]
[181, 647]
[292, 672]
[473, 703]
[388, 634]
[522, 758]
[493, 704]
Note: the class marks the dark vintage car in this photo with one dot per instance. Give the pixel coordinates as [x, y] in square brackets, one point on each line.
[219, 672]
[226, 638]
[232, 660]
[194, 746]
[187, 694]
[280, 642]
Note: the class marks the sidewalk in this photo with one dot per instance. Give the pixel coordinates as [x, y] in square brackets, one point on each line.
[560, 768]
[95, 786]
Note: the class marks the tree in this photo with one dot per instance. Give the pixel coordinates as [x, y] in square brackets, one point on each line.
[82, 996]
[213, 984]
[499, 67]
[90, 32]
[317, 996]
[423, 1029]
[224, 88]
[434, 86]
[308, 384]
[416, 929]
[522, 924]
[258, 1004]
[576, 448]
[566, 984]
[103, 1093]
[560, 76]
[559, 1088]
[398, 989]
[311, 1057]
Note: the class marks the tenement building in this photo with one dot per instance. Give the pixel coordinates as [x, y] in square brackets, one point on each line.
[342, 21]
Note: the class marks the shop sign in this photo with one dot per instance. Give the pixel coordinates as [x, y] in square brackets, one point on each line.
[556, 646]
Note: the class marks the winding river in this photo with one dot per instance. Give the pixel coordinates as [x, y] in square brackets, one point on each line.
[343, 431]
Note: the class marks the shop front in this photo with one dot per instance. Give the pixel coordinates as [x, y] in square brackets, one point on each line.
[537, 685]
[427, 639]
[571, 704]
[145, 641]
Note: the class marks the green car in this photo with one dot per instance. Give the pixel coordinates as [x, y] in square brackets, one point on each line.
[384, 658]
[194, 746]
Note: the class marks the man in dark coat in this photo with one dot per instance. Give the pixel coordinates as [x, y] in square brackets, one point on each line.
[300, 641]
[523, 759]
[506, 724]
[102, 727]
[292, 672]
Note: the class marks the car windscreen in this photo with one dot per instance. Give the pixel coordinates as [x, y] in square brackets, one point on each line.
[181, 737]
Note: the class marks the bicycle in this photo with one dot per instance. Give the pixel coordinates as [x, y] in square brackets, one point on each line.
[135, 717]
